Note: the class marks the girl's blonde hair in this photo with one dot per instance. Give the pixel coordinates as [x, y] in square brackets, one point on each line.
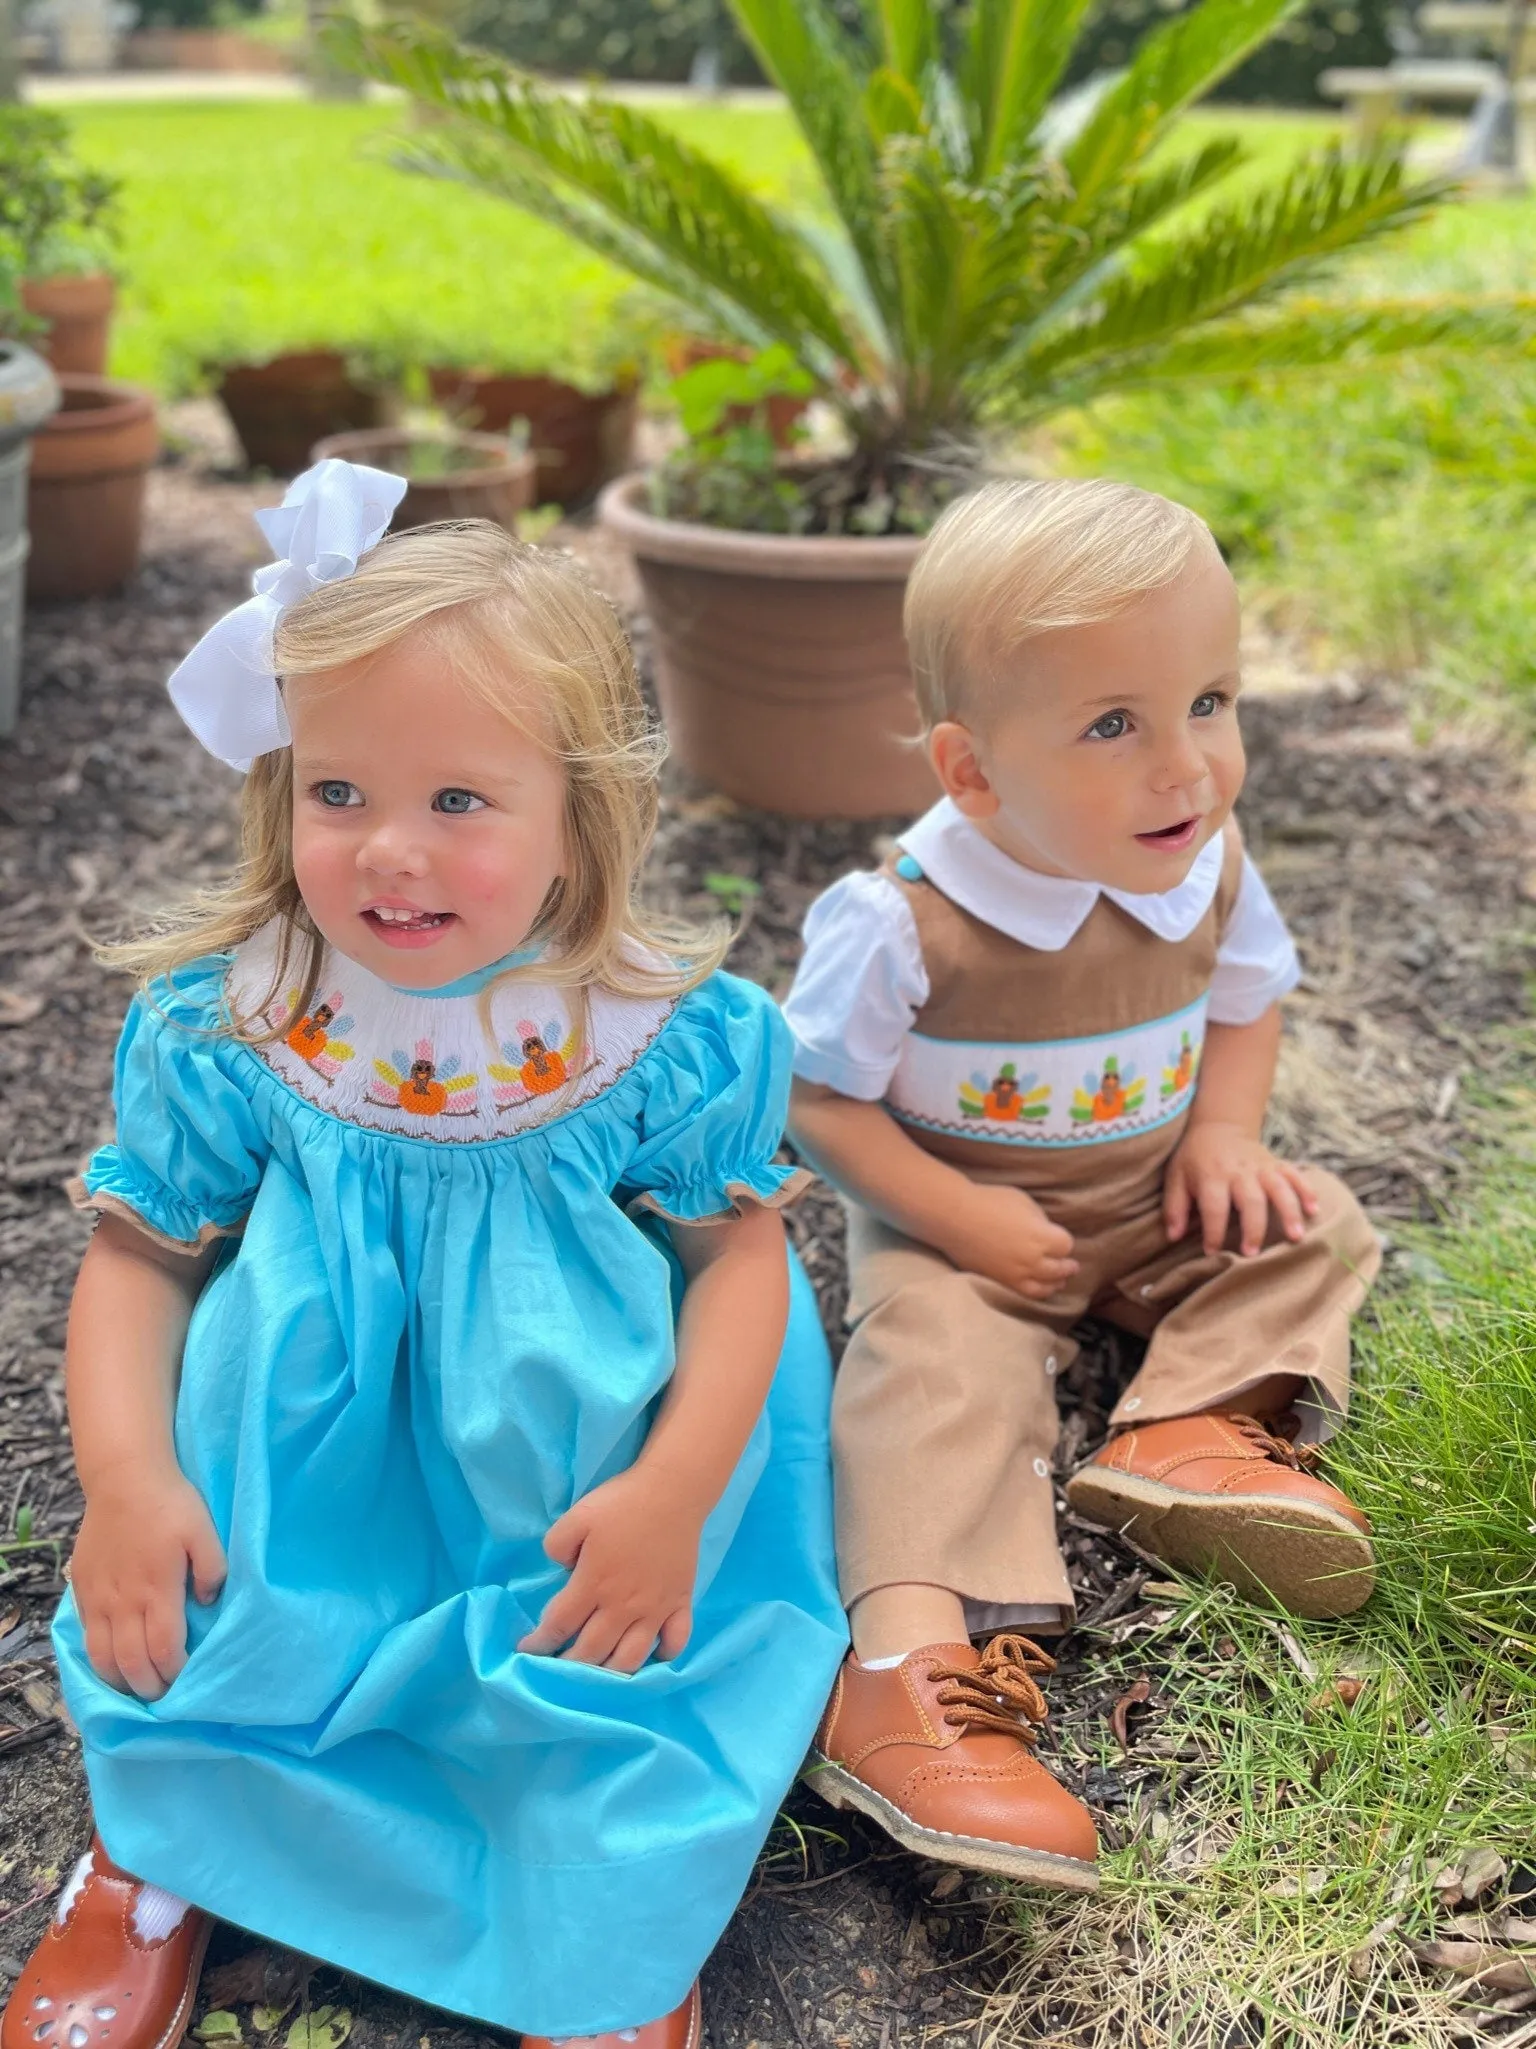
[517, 622]
[1016, 558]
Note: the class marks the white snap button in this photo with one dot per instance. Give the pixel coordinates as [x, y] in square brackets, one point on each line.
[1050, 1364]
[1133, 1404]
[1042, 1469]
[1146, 1287]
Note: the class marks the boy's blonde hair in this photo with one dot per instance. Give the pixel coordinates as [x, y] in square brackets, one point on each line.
[1017, 558]
[519, 623]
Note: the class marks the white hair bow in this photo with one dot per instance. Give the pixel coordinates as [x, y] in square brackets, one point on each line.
[226, 689]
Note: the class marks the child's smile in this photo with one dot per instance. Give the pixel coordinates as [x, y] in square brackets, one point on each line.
[1110, 752]
[428, 829]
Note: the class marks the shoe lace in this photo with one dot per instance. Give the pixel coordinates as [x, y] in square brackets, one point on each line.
[1302, 1459]
[1000, 1693]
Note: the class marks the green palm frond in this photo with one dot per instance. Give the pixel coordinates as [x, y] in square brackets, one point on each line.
[622, 180]
[1238, 256]
[818, 69]
[1310, 335]
[1172, 68]
[1130, 209]
[1014, 56]
[909, 35]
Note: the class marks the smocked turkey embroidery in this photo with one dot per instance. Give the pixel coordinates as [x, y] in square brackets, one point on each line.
[1179, 1074]
[1106, 1097]
[533, 1065]
[1008, 1098]
[422, 1085]
[316, 1035]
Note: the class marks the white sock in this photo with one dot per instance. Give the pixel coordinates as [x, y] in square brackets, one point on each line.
[884, 1664]
[157, 1913]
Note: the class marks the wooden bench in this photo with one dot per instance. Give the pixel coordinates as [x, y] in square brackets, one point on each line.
[1374, 99]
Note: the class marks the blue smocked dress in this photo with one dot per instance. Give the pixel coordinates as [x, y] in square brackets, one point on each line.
[442, 1311]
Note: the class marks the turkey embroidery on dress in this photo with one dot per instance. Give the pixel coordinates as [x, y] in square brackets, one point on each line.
[451, 1069]
[316, 1035]
[1065, 1092]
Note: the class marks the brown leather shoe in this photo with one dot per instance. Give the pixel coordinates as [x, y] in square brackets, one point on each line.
[938, 1750]
[1222, 1492]
[683, 2028]
[93, 1983]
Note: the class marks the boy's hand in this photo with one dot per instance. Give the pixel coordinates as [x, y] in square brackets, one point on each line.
[142, 1536]
[1220, 1168]
[1004, 1234]
[633, 1549]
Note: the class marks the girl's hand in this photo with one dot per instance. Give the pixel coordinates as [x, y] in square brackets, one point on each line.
[142, 1536]
[1220, 1168]
[633, 1549]
[1005, 1234]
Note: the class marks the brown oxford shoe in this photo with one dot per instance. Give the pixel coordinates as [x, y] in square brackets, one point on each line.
[1223, 1493]
[683, 2028]
[94, 1983]
[939, 1750]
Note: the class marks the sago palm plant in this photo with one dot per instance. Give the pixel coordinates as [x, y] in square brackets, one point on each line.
[994, 253]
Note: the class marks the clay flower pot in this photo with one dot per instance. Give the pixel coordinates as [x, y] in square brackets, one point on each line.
[449, 476]
[580, 439]
[85, 499]
[281, 408]
[29, 392]
[78, 311]
[780, 661]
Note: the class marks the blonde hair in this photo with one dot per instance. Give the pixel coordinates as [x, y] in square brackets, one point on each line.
[1014, 559]
[517, 621]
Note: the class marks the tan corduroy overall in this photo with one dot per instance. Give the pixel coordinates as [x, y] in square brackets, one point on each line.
[944, 1414]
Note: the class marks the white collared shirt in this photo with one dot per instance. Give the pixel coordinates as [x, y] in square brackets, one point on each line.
[862, 981]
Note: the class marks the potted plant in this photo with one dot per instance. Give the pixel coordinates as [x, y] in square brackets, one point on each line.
[450, 475]
[999, 253]
[281, 403]
[85, 494]
[63, 218]
[28, 394]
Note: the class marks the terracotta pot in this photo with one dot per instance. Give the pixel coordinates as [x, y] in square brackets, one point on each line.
[199, 49]
[478, 476]
[785, 412]
[85, 500]
[78, 311]
[580, 439]
[281, 408]
[780, 662]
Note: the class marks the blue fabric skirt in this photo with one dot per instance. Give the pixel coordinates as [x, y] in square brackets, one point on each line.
[359, 1763]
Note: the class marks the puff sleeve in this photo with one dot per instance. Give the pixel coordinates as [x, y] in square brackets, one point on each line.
[713, 1111]
[189, 1152]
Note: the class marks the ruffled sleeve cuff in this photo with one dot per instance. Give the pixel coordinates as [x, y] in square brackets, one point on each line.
[712, 1200]
[109, 1186]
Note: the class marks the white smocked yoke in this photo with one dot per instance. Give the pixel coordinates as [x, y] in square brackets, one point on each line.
[862, 982]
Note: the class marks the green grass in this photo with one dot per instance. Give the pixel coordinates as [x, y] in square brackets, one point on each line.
[1286, 1826]
[257, 226]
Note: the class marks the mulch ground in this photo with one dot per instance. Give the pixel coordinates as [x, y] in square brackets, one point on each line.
[1399, 864]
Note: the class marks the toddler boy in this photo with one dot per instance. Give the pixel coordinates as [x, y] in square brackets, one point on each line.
[1034, 1053]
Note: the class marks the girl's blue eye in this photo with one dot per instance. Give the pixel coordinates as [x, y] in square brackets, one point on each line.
[1113, 726]
[337, 796]
[457, 802]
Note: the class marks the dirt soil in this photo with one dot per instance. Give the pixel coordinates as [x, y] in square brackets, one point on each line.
[1399, 866]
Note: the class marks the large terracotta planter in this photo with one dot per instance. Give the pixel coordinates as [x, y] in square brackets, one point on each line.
[281, 408]
[448, 476]
[780, 662]
[85, 501]
[29, 392]
[581, 440]
[78, 311]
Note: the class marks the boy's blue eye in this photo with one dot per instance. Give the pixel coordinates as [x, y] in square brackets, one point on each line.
[456, 802]
[337, 796]
[1208, 704]
[1113, 726]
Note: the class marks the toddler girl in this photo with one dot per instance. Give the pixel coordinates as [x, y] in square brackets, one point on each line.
[1035, 1052]
[439, 1333]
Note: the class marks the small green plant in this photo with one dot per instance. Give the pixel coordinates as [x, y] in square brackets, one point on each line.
[727, 474]
[61, 214]
[732, 892]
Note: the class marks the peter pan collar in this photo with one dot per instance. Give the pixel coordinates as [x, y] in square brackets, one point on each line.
[1043, 911]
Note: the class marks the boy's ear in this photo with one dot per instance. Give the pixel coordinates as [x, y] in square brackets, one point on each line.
[952, 750]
